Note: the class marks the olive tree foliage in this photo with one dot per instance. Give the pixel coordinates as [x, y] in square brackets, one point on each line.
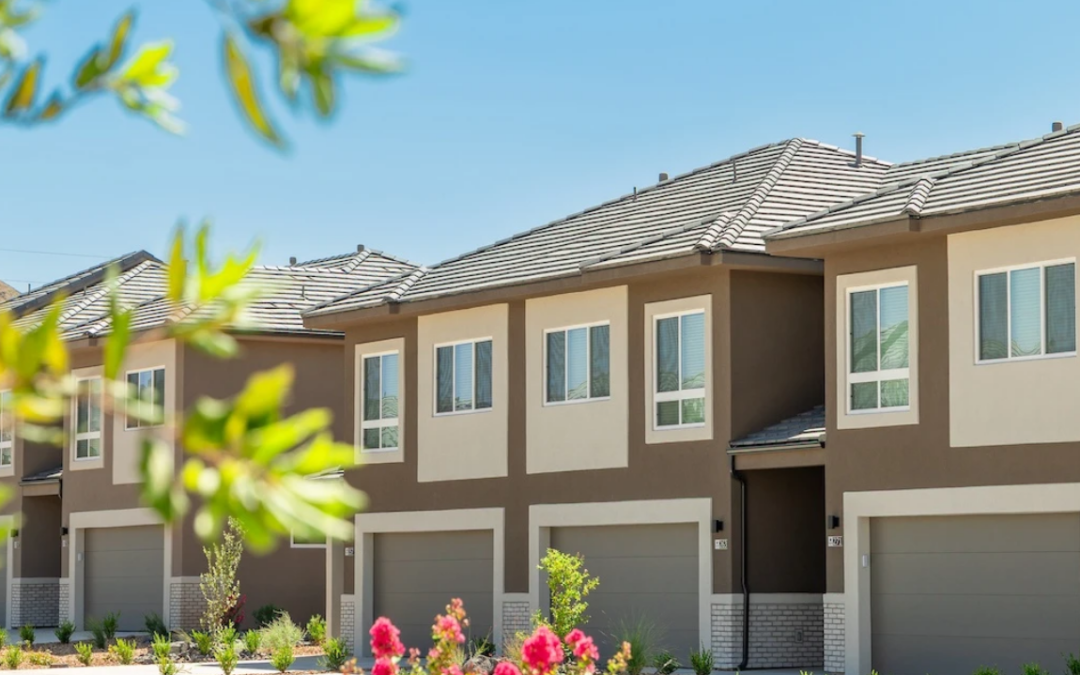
[243, 457]
[219, 585]
[311, 41]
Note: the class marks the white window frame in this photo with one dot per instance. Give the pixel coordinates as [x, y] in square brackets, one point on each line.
[147, 425]
[589, 398]
[88, 435]
[1009, 358]
[875, 375]
[8, 445]
[453, 380]
[294, 544]
[681, 394]
[382, 421]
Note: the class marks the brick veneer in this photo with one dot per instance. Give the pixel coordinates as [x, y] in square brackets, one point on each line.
[186, 604]
[516, 618]
[348, 621]
[784, 633]
[63, 610]
[834, 635]
[35, 602]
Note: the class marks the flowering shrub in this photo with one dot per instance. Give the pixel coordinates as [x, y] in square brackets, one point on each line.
[541, 654]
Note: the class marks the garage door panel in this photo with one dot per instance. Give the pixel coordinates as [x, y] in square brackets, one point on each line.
[123, 571]
[423, 576]
[674, 574]
[992, 616]
[948, 655]
[408, 546]
[999, 532]
[618, 539]
[1009, 573]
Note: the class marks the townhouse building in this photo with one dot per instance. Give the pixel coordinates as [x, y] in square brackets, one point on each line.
[952, 470]
[641, 383]
[86, 546]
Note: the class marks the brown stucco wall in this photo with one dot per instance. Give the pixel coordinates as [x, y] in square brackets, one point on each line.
[786, 530]
[39, 538]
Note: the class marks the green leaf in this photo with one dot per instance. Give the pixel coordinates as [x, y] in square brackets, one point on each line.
[53, 108]
[144, 68]
[369, 60]
[177, 266]
[242, 84]
[117, 342]
[25, 89]
[322, 88]
[118, 40]
[89, 69]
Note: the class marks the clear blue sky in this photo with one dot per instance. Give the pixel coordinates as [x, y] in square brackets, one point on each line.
[513, 114]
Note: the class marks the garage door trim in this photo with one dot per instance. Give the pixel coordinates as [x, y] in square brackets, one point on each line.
[81, 521]
[860, 507]
[7, 523]
[543, 517]
[452, 520]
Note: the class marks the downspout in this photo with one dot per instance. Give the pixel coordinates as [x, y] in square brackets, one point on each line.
[742, 563]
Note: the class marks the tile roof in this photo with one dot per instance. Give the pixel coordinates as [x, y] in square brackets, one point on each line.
[804, 428]
[1041, 168]
[723, 206]
[7, 292]
[285, 292]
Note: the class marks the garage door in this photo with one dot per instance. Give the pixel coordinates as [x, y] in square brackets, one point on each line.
[417, 574]
[951, 594]
[123, 572]
[646, 572]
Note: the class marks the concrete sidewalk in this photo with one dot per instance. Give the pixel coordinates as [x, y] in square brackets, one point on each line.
[302, 663]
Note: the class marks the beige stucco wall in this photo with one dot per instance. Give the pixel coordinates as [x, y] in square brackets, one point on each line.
[586, 434]
[1008, 402]
[462, 445]
[366, 349]
[652, 310]
[126, 442]
[864, 420]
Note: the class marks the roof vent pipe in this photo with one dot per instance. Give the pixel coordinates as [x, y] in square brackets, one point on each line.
[663, 176]
[858, 147]
[360, 248]
[292, 261]
[1056, 126]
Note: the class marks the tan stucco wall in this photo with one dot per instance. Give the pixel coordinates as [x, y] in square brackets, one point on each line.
[470, 444]
[1008, 402]
[653, 310]
[587, 434]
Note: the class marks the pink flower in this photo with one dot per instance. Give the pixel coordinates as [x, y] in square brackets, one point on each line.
[448, 628]
[414, 655]
[452, 670]
[586, 650]
[542, 650]
[506, 668]
[384, 666]
[386, 639]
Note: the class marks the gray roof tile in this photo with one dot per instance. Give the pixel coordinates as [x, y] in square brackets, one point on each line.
[807, 427]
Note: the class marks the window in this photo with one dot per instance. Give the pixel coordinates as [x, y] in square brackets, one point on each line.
[578, 363]
[878, 345]
[1027, 312]
[379, 411]
[463, 377]
[680, 370]
[7, 431]
[300, 541]
[150, 387]
[88, 419]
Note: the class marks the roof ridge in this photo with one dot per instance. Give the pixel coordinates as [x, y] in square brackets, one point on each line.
[920, 192]
[29, 304]
[708, 240]
[406, 284]
[750, 207]
[98, 293]
[640, 243]
[356, 261]
[364, 289]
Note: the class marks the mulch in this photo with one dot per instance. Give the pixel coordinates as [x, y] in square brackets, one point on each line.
[65, 656]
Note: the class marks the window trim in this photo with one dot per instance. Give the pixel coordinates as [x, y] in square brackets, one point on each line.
[661, 397]
[127, 418]
[881, 375]
[293, 544]
[566, 364]
[89, 435]
[378, 424]
[1041, 266]
[9, 445]
[453, 380]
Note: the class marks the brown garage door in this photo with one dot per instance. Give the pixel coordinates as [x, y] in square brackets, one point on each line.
[417, 574]
[123, 572]
[645, 571]
[950, 594]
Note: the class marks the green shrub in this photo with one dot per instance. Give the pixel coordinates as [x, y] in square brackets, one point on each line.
[97, 629]
[335, 654]
[110, 624]
[282, 658]
[266, 614]
[252, 641]
[64, 632]
[13, 657]
[666, 663]
[226, 656]
[155, 625]
[1072, 664]
[84, 652]
[27, 635]
[1034, 669]
[204, 641]
[569, 583]
[123, 651]
[3, 639]
[643, 636]
[40, 659]
[701, 660]
[166, 666]
[986, 670]
[316, 629]
[481, 646]
[219, 585]
[281, 632]
[161, 646]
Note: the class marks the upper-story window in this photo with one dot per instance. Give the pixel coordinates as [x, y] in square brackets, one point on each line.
[7, 431]
[463, 377]
[88, 419]
[680, 370]
[379, 411]
[878, 346]
[578, 364]
[150, 387]
[1027, 311]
